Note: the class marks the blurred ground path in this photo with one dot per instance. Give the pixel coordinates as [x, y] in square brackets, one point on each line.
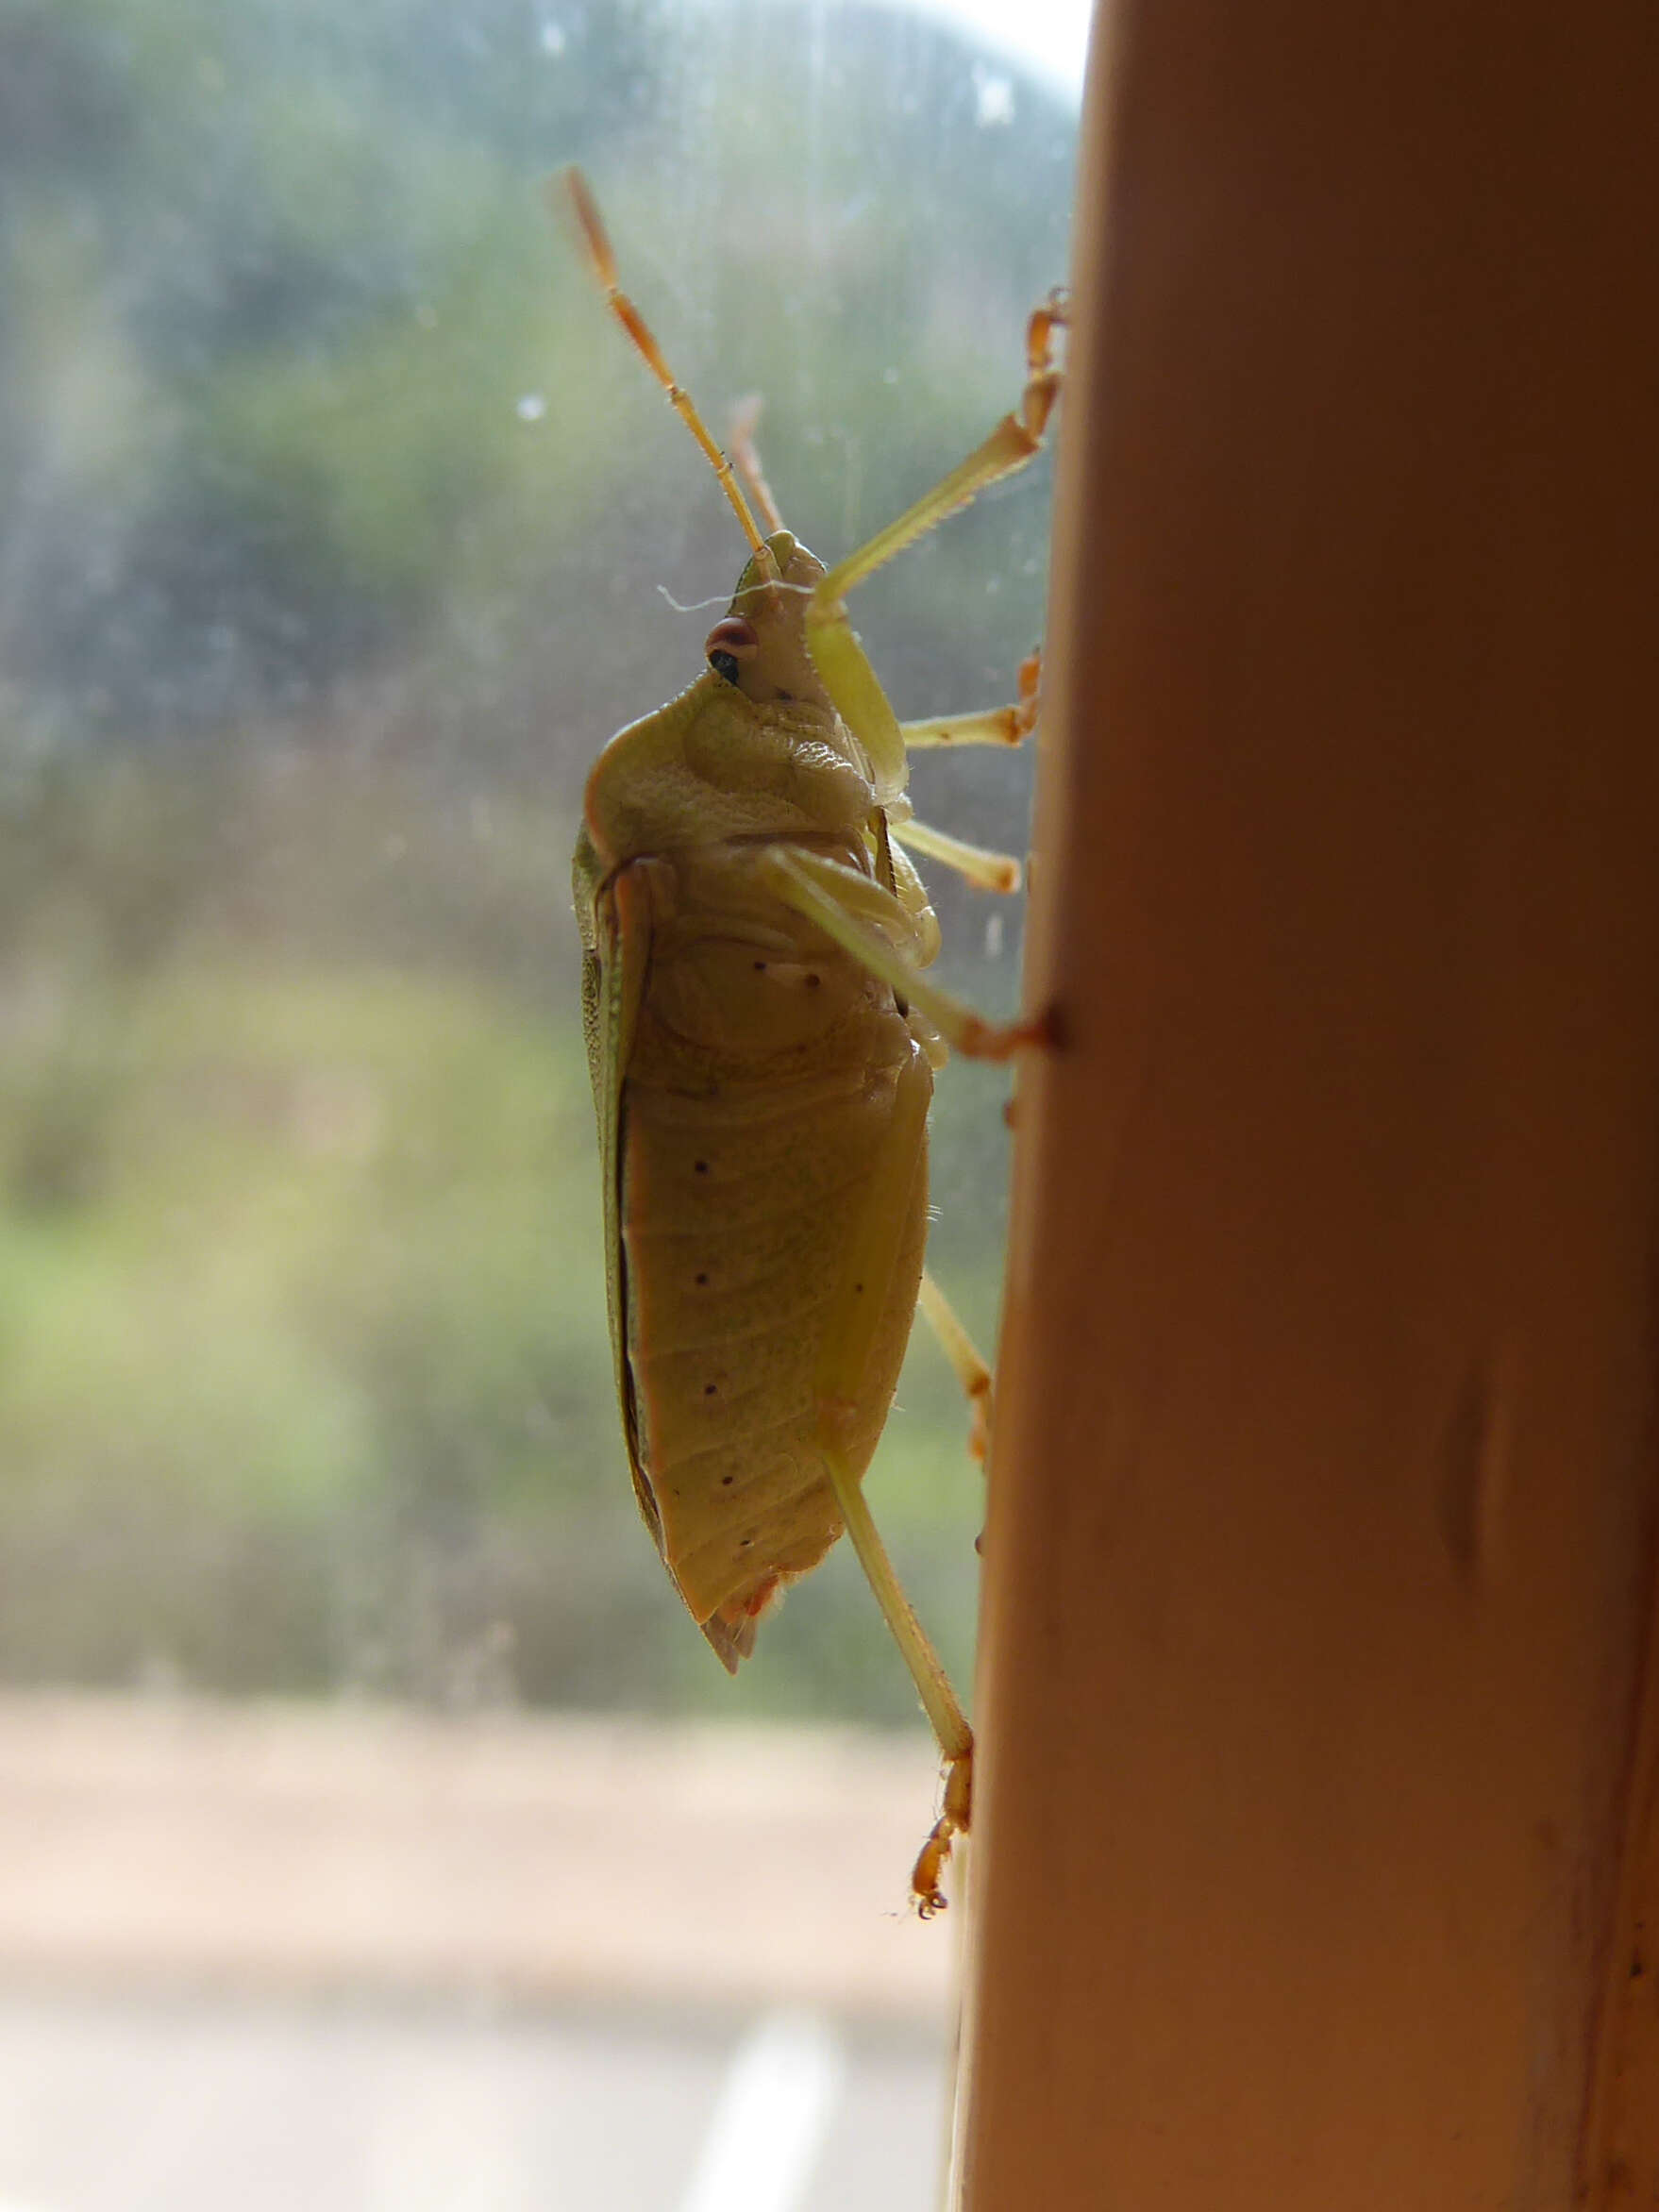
[182, 1844]
[204, 2103]
[362, 1961]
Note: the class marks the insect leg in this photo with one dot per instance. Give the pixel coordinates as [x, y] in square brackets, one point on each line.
[1016, 439]
[991, 725]
[1010, 724]
[833, 897]
[989, 871]
[950, 1724]
[958, 1349]
[850, 1332]
[745, 417]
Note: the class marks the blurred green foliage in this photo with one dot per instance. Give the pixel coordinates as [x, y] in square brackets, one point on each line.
[333, 514]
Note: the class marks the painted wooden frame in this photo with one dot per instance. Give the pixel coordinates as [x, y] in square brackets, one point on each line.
[1316, 1865]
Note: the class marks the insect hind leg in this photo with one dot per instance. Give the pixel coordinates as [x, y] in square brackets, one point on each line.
[873, 1257]
[927, 1671]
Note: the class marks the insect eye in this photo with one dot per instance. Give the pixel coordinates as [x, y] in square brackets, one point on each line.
[729, 643]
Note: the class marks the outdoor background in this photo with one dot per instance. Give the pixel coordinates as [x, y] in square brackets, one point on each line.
[336, 521]
[377, 1831]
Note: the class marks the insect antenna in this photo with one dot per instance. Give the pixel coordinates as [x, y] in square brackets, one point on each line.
[603, 262]
[745, 420]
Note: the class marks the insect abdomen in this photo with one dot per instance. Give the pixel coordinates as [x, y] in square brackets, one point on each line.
[740, 1187]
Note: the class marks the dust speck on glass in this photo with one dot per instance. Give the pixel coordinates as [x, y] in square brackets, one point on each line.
[338, 528]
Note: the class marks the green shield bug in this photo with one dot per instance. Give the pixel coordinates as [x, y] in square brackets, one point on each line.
[762, 1038]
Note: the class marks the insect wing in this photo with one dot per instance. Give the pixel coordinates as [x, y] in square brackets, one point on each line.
[615, 915]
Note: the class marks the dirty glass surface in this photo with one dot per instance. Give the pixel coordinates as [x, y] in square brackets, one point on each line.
[337, 528]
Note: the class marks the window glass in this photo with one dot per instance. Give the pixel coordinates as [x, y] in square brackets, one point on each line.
[339, 526]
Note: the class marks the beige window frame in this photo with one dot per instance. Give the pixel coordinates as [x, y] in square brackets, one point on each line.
[1316, 1864]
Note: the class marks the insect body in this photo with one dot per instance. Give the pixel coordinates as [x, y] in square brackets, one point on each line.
[763, 1040]
[767, 1098]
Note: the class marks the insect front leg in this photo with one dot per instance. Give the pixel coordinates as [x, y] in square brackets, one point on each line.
[836, 652]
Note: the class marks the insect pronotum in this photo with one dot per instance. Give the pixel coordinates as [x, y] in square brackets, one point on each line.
[762, 1039]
